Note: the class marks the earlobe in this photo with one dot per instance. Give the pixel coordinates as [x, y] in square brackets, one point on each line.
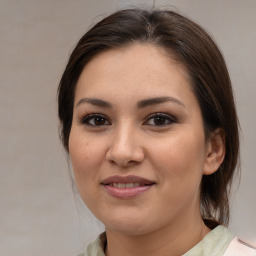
[215, 151]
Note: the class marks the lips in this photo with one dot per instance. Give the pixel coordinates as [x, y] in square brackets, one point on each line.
[126, 187]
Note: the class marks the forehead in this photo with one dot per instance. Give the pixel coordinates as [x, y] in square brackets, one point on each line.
[133, 69]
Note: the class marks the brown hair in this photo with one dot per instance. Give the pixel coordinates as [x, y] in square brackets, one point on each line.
[207, 70]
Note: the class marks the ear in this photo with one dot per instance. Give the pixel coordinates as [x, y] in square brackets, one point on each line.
[215, 151]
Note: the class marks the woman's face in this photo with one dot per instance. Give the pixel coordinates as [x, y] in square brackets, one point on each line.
[137, 141]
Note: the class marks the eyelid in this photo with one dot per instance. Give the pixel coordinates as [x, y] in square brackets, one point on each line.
[169, 117]
[85, 119]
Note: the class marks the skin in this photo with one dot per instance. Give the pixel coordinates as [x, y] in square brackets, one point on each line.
[166, 219]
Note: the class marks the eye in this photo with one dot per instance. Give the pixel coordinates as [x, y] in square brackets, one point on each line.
[95, 120]
[159, 119]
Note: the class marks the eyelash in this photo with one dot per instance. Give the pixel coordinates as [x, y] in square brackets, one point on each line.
[86, 120]
[162, 117]
[165, 117]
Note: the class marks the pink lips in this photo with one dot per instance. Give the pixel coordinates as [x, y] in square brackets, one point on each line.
[126, 187]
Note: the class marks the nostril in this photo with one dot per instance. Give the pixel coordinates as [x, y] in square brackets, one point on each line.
[123, 164]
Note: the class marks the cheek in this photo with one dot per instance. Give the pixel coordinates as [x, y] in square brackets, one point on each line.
[180, 164]
[84, 150]
[85, 158]
[181, 158]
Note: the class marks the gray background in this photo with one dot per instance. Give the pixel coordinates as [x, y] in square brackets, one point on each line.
[39, 213]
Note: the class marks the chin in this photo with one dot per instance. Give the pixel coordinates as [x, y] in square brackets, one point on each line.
[129, 225]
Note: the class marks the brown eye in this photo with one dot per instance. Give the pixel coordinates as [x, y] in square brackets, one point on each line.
[159, 119]
[98, 120]
[95, 120]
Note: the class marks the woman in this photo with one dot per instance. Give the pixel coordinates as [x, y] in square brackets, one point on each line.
[149, 122]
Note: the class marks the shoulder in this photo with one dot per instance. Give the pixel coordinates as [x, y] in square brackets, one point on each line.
[240, 248]
[95, 248]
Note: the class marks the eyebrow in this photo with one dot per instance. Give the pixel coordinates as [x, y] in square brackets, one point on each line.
[95, 102]
[141, 104]
[158, 100]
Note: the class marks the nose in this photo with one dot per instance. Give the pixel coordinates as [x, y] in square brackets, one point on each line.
[125, 148]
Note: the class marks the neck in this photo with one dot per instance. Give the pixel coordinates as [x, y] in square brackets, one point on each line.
[172, 240]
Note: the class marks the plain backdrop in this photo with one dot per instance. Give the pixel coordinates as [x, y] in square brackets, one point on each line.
[39, 214]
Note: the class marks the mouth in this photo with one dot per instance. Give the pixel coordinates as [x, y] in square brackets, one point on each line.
[126, 187]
